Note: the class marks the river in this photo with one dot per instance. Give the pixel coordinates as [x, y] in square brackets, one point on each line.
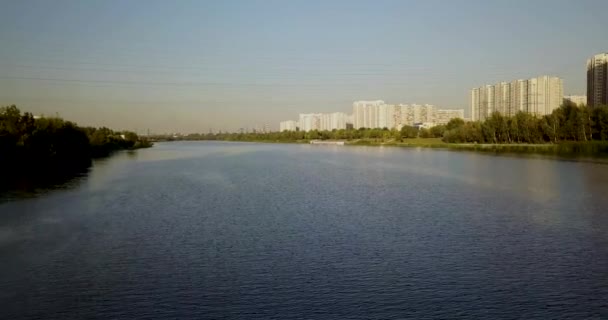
[210, 230]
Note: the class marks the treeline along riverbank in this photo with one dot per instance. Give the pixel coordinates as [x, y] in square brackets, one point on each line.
[569, 131]
[50, 146]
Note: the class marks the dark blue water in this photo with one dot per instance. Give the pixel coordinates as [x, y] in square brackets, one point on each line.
[259, 231]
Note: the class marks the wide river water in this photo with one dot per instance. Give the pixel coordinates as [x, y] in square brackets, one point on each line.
[205, 230]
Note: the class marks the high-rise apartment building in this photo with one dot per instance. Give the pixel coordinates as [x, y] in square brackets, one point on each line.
[366, 114]
[317, 121]
[538, 96]
[482, 102]
[597, 80]
[333, 121]
[427, 114]
[545, 94]
[502, 97]
[393, 116]
[475, 104]
[382, 116]
[415, 113]
[519, 97]
[310, 121]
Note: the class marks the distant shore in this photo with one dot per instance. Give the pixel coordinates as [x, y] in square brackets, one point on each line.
[595, 151]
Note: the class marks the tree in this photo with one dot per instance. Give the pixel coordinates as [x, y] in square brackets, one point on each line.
[454, 124]
[424, 133]
[438, 131]
[409, 132]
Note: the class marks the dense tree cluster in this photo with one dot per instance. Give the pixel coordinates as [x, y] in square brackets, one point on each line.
[570, 123]
[51, 143]
[382, 135]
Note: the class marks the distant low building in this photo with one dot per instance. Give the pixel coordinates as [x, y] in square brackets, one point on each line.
[443, 116]
[289, 125]
[578, 100]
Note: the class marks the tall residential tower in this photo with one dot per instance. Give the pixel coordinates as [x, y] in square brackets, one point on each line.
[597, 80]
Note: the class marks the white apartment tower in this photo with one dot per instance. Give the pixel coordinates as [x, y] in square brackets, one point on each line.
[482, 102]
[317, 121]
[310, 121]
[366, 114]
[519, 97]
[335, 120]
[502, 97]
[545, 94]
[475, 104]
[597, 80]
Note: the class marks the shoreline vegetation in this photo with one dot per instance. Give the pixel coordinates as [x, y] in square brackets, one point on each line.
[51, 148]
[571, 131]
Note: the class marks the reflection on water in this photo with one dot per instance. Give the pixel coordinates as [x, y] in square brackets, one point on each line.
[269, 231]
[32, 184]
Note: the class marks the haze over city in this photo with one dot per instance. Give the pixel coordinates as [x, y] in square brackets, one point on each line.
[192, 66]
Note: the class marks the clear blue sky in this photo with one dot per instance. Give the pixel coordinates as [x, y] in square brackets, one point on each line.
[191, 65]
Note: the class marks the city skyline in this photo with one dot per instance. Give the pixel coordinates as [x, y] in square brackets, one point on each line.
[230, 65]
[374, 114]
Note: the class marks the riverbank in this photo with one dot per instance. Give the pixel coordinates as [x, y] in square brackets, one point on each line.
[51, 148]
[587, 150]
[593, 151]
[596, 151]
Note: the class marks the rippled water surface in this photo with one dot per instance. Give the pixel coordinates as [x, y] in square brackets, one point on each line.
[260, 231]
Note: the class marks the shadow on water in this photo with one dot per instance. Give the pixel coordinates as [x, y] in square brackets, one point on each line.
[23, 184]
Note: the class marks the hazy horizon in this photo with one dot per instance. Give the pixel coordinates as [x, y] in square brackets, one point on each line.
[190, 66]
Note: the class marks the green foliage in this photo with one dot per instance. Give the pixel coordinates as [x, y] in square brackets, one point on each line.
[409, 132]
[53, 143]
[437, 131]
[424, 133]
[568, 123]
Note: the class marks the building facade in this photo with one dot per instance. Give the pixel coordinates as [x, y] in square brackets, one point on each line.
[475, 104]
[502, 97]
[482, 102]
[366, 114]
[310, 121]
[597, 80]
[443, 116]
[545, 94]
[333, 121]
[519, 97]
[317, 121]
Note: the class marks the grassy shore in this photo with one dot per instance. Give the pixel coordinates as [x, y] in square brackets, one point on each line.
[595, 149]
